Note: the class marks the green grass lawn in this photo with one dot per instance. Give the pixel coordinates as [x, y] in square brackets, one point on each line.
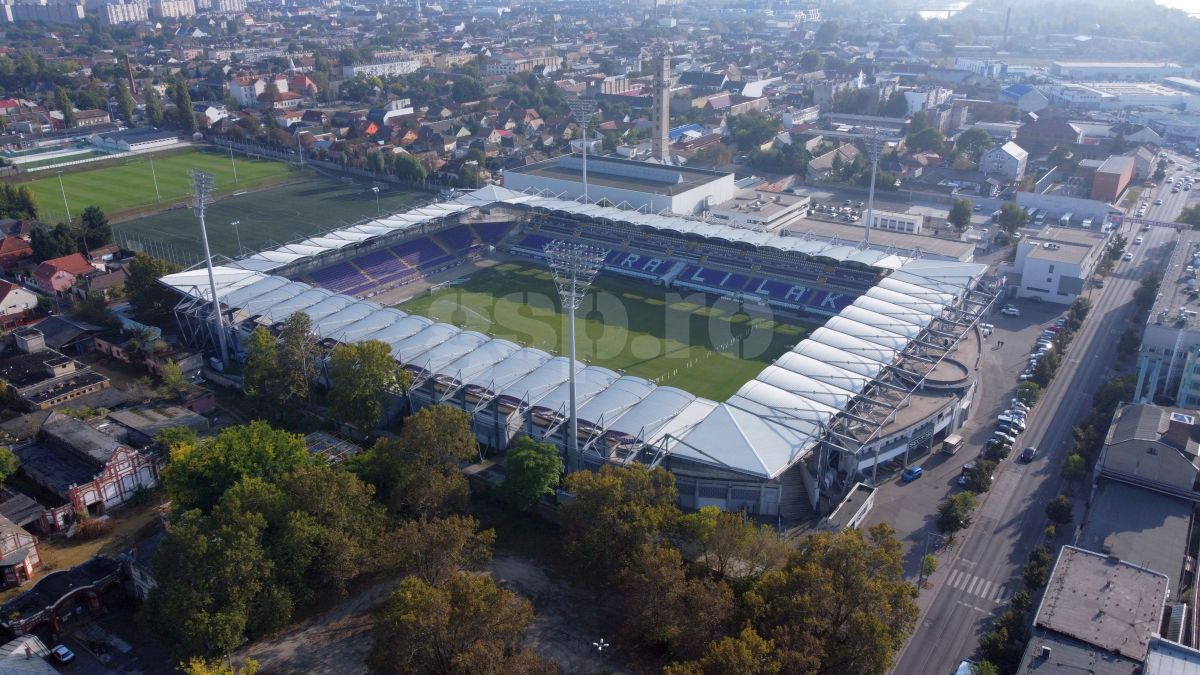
[127, 187]
[279, 214]
[697, 342]
[60, 160]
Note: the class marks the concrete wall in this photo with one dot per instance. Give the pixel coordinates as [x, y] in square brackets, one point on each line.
[1057, 205]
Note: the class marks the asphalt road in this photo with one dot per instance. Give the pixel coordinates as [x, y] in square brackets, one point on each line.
[986, 568]
[1173, 203]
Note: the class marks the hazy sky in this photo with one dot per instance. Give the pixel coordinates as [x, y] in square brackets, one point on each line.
[1189, 6]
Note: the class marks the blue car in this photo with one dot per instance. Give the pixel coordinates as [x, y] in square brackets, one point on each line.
[911, 473]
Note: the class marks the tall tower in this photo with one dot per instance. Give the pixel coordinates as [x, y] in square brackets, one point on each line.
[418, 7]
[661, 148]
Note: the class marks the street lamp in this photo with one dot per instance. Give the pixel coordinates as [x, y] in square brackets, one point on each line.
[64, 196]
[575, 266]
[202, 188]
[874, 146]
[154, 175]
[375, 189]
[582, 108]
[237, 233]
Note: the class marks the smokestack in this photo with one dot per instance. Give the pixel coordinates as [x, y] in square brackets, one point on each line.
[1007, 18]
[418, 7]
[661, 147]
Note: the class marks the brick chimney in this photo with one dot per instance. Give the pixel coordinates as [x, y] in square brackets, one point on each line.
[1179, 430]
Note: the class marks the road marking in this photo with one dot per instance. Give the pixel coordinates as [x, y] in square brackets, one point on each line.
[955, 576]
[1001, 594]
[985, 590]
[974, 582]
[970, 606]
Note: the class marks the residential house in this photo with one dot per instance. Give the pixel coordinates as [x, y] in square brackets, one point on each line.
[1039, 135]
[19, 555]
[16, 303]
[91, 118]
[822, 167]
[1007, 160]
[59, 274]
[84, 466]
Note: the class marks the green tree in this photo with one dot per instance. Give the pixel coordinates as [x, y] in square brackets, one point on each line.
[827, 34]
[1190, 216]
[973, 142]
[125, 102]
[359, 376]
[48, 244]
[1147, 291]
[954, 513]
[960, 214]
[171, 438]
[261, 378]
[62, 102]
[183, 103]
[615, 511]
[297, 359]
[1012, 217]
[746, 653]
[198, 475]
[152, 301]
[9, 463]
[406, 167]
[809, 61]
[984, 668]
[96, 231]
[1160, 171]
[531, 470]
[1059, 510]
[24, 203]
[437, 549]
[198, 666]
[466, 88]
[154, 108]
[435, 629]
[1074, 467]
[841, 605]
[732, 546]
[375, 162]
[926, 140]
[896, 106]
[172, 377]
[979, 478]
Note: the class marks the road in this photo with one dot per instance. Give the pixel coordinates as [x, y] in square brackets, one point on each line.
[986, 568]
[1173, 203]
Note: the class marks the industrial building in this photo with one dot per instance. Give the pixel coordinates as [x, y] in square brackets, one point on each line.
[1116, 70]
[1055, 264]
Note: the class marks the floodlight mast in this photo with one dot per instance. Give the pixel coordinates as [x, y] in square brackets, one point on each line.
[874, 146]
[575, 266]
[582, 108]
[202, 188]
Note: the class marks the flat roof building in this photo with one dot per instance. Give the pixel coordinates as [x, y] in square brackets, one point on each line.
[760, 210]
[1169, 357]
[633, 184]
[1115, 70]
[1054, 264]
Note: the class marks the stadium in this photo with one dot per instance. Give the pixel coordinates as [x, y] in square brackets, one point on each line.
[885, 374]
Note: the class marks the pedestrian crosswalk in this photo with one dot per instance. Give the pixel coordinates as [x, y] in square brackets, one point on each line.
[978, 586]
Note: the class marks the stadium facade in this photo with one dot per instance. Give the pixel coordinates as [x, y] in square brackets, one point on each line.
[889, 374]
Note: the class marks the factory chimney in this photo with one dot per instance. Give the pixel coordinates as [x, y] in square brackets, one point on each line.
[1007, 18]
[661, 147]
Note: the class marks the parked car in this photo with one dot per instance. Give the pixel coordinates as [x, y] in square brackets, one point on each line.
[1028, 454]
[911, 473]
[1138, 241]
[1009, 310]
[62, 654]
[1127, 256]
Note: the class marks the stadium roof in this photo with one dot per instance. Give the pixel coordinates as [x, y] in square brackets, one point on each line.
[289, 254]
[761, 430]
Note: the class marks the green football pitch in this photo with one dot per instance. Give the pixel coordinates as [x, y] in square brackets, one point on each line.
[700, 343]
[127, 186]
[279, 214]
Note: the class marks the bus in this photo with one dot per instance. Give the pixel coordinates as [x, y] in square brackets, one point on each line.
[1065, 220]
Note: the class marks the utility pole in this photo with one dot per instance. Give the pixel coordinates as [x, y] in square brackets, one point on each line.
[237, 233]
[202, 188]
[154, 175]
[874, 146]
[582, 108]
[63, 188]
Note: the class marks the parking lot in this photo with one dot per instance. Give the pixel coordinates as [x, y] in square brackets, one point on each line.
[910, 508]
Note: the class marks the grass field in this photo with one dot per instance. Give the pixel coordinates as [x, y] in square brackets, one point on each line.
[128, 187]
[697, 342]
[277, 214]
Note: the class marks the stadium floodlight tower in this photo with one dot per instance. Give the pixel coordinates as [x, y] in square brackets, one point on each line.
[874, 145]
[575, 266]
[202, 188]
[582, 108]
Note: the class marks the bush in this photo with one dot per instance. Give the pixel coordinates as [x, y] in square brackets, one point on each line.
[954, 513]
[94, 528]
[1059, 510]
[979, 479]
[1029, 392]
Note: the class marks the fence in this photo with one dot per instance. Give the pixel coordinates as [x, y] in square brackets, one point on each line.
[299, 158]
[89, 160]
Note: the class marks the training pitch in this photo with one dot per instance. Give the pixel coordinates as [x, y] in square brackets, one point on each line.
[127, 186]
[275, 215]
[697, 342]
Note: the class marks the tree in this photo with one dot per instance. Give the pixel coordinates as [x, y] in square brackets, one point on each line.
[152, 301]
[197, 475]
[466, 89]
[1074, 467]
[1062, 158]
[926, 140]
[197, 666]
[827, 34]
[9, 463]
[359, 376]
[532, 470]
[62, 102]
[841, 605]
[406, 167]
[896, 106]
[984, 668]
[375, 162]
[261, 378]
[1190, 216]
[954, 513]
[1160, 171]
[973, 142]
[183, 103]
[431, 629]
[125, 102]
[435, 550]
[417, 474]
[960, 214]
[665, 608]
[979, 478]
[929, 565]
[297, 361]
[731, 545]
[746, 653]
[809, 61]
[1012, 217]
[96, 231]
[154, 109]
[1147, 291]
[48, 244]
[1059, 510]
[172, 377]
[615, 511]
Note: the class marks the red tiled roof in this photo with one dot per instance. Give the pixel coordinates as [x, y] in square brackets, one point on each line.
[75, 264]
[15, 246]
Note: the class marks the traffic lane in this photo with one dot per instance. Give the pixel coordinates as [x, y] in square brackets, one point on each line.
[949, 633]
